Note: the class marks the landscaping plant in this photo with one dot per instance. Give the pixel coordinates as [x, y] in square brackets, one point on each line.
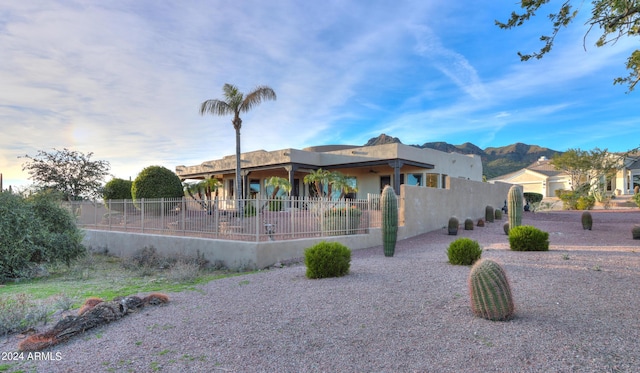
[490, 291]
[35, 231]
[515, 208]
[327, 259]
[528, 238]
[489, 214]
[468, 224]
[498, 214]
[587, 220]
[464, 251]
[635, 232]
[389, 207]
[452, 226]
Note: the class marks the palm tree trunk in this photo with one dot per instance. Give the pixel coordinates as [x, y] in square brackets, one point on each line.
[239, 206]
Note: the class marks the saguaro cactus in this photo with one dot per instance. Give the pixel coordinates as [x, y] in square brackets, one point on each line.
[389, 207]
[514, 199]
[490, 291]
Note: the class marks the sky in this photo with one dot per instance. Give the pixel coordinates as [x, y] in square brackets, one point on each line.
[124, 80]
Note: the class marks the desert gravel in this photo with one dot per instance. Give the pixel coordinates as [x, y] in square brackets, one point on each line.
[577, 310]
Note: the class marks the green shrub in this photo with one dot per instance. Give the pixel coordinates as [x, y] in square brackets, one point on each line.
[585, 203]
[276, 204]
[468, 224]
[156, 182]
[464, 251]
[327, 259]
[35, 231]
[528, 238]
[533, 197]
[249, 209]
[569, 199]
[117, 189]
[636, 199]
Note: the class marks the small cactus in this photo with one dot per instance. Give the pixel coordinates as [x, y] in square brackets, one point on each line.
[480, 223]
[489, 215]
[506, 228]
[635, 232]
[587, 220]
[453, 226]
[498, 214]
[515, 206]
[490, 291]
[389, 227]
[468, 224]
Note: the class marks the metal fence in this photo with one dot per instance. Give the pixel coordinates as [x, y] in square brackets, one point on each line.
[244, 219]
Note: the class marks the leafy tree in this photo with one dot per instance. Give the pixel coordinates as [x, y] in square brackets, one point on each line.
[577, 164]
[318, 179]
[117, 189]
[236, 102]
[33, 231]
[70, 172]
[616, 19]
[278, 183]
[156, 182]
[589, 170]
[204, 190]
[325, 183]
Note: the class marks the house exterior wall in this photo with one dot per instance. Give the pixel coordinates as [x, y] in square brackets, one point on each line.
[368, 178]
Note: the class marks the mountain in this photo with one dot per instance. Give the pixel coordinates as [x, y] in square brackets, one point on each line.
[495, 161]
[383, 139]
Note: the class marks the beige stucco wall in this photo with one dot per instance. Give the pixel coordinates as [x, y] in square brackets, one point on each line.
[234, 254]
[428, 209]
[421, 210]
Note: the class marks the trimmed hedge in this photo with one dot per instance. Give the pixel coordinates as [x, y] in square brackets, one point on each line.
[464, 251]
[327, 259]
[528, 238]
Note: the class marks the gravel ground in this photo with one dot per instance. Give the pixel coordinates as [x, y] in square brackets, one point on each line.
[577, 310]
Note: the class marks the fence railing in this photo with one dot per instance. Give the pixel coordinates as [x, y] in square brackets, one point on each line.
[243, 219]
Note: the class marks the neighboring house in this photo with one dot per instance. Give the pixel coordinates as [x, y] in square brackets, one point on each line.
[542, 177]
[369, 167]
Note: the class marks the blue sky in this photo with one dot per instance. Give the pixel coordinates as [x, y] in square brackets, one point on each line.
[125, 79]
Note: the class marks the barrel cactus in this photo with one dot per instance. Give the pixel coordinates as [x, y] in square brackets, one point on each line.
[453, 226]
[490, 291]
[489, 214]
[635, 232]
[515, 208]
[587, 220]
[389, 207]
[468, 224]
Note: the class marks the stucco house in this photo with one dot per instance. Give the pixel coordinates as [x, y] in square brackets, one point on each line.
[369, 167]
[542, 177]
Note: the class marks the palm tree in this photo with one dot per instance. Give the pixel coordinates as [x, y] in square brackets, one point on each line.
[235, 103]
[278, 183]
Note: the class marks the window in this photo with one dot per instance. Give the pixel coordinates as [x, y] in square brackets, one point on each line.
[231, 190]
[414, 179]
[432, 180]
[384, 181]
[254, 188]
